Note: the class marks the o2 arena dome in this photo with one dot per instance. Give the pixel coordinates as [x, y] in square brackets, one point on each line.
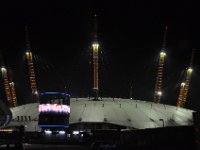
[110, 113]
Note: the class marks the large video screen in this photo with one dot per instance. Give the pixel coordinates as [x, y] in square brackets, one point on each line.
[54, 108]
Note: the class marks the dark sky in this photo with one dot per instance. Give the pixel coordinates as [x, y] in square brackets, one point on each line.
[130, 34]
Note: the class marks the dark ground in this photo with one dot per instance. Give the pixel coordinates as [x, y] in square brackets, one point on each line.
[50, 147]
[169, 138]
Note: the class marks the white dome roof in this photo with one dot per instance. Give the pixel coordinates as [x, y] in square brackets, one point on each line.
[124, 112]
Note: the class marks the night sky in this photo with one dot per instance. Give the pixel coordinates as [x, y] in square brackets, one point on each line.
[130, 36]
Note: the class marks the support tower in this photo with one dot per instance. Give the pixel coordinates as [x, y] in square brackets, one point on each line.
[95, 52]
[159, 78]
[29, 58]
[185, 84]
[6, 85]
[13, 93]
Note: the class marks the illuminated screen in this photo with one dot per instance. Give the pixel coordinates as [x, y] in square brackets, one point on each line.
[54, 108]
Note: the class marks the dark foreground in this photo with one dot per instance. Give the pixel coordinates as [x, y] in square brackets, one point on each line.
[170, 138]
[48, 147]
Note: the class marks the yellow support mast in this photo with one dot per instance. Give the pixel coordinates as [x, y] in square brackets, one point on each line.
[95, 52]
[95, 48]
[180, 96]
[185, 84]
[29, 58]
[13, 93]
[159, 78]
[12, 90]
[6, 85]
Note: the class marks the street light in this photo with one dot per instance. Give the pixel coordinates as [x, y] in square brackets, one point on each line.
[162, 122]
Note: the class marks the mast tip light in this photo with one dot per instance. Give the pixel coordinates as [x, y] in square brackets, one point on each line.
[190, 70]
[162, 53]
[159, 93]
